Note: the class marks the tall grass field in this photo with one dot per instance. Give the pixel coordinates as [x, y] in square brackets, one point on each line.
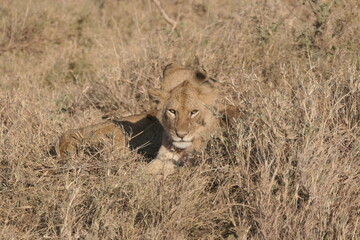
[288, 168]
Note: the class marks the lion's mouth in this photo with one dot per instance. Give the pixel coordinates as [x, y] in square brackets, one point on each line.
[182, 144]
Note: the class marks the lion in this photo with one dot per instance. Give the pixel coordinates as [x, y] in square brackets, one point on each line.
[184, 119]
[187, 116]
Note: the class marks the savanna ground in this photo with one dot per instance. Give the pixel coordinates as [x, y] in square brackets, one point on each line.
[288, 169]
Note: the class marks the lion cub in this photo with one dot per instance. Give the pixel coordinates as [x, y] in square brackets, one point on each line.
[183, 121]
[187, 116]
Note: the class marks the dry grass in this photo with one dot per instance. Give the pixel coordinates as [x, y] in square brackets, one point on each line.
[288, 170]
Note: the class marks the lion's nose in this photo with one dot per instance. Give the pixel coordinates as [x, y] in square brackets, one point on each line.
[181, 134]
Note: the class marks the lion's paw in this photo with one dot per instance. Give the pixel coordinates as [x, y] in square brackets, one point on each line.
[160, 168]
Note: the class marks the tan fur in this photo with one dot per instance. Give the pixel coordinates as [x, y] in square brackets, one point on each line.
[156, 134]
[174, 75]
[188, 121]
[141, 132]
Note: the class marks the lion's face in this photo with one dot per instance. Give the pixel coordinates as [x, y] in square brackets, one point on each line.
[185, 111]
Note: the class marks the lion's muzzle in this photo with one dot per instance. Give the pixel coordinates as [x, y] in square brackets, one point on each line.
[182, 144]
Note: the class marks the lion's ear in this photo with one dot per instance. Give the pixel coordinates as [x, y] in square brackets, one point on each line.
[208, 91]
[203, 79]
[209, 86]
[168, 68]
[210, 82]
[200, 75]
[157, 95]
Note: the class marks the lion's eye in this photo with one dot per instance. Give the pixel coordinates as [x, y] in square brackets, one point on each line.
[193, 113]
[172, 111]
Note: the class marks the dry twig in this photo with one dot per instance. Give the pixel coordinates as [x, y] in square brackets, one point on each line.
[172, 22]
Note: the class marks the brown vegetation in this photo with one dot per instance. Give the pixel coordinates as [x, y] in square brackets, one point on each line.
[289, 169]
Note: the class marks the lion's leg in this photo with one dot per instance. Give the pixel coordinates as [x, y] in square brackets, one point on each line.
[165, 163]
[160, 167]
[105, 131]
[71, 140]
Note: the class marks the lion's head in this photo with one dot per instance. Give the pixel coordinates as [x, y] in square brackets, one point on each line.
[186, 111]
[174, 75]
